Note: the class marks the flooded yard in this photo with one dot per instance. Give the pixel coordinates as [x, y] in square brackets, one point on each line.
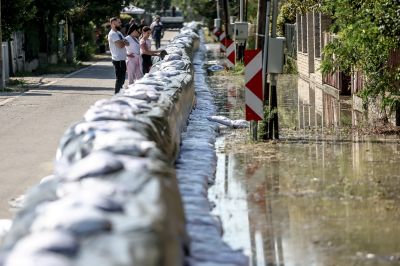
[317, 196]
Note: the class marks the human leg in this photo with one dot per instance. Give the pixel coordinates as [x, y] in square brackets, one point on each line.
[120, 71]
[138, 67]
[158, 43]
[130, 69]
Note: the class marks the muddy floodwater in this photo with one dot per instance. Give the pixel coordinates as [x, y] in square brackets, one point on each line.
[315, 197]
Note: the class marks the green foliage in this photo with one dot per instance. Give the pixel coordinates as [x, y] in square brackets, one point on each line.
[289, 8]
[31, 42]
[290, 66]
[237, 70]
[366, 33]
[85, 51]
[263, 124]
[287, 14]
[14, 14]
[206, 9]
[252, 7]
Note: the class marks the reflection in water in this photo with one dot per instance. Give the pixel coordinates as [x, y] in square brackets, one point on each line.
[306, 106]
[305, 201]
[312, 203]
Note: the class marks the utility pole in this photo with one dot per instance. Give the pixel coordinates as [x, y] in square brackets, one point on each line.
[218, 10]
[2, 78]
[226, 17]
[241, 46]
[261, 13]
[273, 127]
[260, 36]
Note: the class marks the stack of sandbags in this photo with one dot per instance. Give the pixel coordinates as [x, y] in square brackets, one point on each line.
[113, 198]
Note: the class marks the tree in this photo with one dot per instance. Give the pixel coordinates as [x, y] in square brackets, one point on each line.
[367, 33]
[14, 15]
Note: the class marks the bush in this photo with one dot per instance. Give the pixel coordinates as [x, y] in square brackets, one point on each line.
[85, 51]
[290, 66]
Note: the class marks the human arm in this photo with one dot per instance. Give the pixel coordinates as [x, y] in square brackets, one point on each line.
[146, 50]
[119, 41]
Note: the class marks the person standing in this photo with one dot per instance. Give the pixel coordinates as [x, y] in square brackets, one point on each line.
[134, 60]
[142, 24]
[145, 49]
[128, 25]
[157, 31]
[117, 45]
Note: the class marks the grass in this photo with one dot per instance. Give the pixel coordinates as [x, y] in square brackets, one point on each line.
[237, 70]
[16, 82]
[15, 85]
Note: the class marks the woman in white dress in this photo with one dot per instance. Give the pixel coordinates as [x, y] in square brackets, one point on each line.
[134, 60]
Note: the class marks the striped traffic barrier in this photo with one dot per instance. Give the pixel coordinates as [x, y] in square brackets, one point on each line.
[230, 53]
[222, 42]
[253, 87]
[216, 33]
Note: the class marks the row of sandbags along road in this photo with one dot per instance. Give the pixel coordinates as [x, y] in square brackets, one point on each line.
[114, 198]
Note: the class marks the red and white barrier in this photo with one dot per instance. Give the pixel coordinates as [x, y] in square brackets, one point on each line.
[230, 53]
[216, 34]
[222, 41]
[254, 87]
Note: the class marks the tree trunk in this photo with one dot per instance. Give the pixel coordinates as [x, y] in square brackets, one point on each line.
[70, 44]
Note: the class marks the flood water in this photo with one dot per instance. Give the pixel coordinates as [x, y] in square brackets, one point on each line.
[316, 196]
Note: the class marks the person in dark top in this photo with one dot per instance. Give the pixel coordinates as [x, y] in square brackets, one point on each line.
[142, 24]
[145, 50]
[157, 31]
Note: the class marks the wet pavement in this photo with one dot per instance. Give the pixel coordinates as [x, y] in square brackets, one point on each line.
[318, 196]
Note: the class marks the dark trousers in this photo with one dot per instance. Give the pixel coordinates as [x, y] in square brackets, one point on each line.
[146, 63]
[120, 71]
[157, 42]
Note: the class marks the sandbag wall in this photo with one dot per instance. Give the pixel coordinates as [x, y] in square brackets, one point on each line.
[113, 198]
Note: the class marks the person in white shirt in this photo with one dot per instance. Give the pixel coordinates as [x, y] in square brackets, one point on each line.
[134, 60]
[117, 45]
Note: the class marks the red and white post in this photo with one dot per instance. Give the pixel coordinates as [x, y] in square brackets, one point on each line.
[222, 41]
[253, 85]
[216, 34]
[230, 53]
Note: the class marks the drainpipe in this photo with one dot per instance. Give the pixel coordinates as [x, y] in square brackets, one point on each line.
[273, 99]
[264, 69]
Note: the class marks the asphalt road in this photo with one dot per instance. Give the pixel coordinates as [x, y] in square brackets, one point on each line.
[32, 123]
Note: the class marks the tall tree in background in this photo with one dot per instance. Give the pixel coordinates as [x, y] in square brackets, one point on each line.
[14, 15]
